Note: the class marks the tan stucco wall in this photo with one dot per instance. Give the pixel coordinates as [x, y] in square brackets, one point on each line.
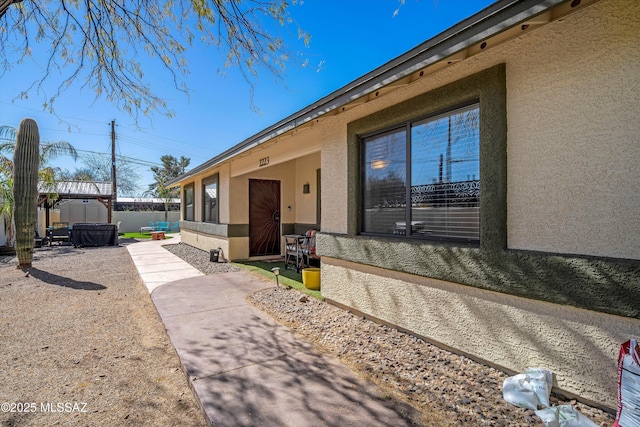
[334, 175]
[579, 346]
[306, 173]
[223, 196]
[238, 207]
[573, 133]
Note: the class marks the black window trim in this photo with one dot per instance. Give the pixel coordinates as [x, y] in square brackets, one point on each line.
[406, 125]
[188, 187]
[206, 181]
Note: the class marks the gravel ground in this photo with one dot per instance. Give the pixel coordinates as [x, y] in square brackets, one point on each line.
[200, 259]
[447, 388]
[82, 344]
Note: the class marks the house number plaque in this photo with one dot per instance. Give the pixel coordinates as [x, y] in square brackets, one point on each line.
[264, 161]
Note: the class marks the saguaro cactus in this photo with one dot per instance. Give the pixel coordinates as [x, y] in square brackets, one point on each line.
[26, 162]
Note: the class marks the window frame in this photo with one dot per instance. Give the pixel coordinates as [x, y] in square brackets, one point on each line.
[215, 178]
[406, 126]
[187, 188]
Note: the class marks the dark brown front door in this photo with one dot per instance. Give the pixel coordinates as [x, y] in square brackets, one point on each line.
[264, 217]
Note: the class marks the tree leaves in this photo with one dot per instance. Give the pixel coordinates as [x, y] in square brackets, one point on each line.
[171, 168]
[98, 43]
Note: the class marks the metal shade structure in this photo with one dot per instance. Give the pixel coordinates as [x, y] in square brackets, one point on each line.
[49, 195]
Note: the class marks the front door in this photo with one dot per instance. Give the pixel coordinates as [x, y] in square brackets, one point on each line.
[264, 217]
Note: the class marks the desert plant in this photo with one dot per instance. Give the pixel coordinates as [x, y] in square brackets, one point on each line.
[47, 175]
[26, 162]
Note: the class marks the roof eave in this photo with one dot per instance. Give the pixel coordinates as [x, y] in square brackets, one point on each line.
[490, 21]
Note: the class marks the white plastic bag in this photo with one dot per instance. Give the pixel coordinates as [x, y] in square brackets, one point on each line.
[628, 385]
[564, 416]
[528, 390]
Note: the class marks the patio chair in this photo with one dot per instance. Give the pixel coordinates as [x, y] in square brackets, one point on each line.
[162, 226]
[59, 232]
[308, 248]
[293, 254]
[175, 226]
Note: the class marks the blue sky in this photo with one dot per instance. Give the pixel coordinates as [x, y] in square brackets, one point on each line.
[348, 39]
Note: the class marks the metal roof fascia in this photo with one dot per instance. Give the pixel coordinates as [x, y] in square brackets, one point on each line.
[86, 189]
[486, 23]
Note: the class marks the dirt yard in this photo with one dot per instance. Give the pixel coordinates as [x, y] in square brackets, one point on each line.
[82, 344]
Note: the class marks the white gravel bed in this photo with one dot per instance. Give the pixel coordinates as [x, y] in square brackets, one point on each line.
[200, 259]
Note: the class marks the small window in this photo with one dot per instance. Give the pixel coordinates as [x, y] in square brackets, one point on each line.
[210, 199]
[434, 164]
[188, 203]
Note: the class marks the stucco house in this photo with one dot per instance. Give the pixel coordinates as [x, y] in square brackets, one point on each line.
[479, 191]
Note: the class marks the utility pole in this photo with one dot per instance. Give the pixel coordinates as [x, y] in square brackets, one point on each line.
[114, 191]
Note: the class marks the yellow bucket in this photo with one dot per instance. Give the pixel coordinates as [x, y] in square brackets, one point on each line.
[311, 278]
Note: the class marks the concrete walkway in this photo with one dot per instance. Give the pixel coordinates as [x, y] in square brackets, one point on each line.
[158, 266]
[247, 369]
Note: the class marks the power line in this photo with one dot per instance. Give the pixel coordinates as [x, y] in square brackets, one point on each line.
[77, 132]
[118, 156]
[172, 140]
[165, 150]
[56, 115]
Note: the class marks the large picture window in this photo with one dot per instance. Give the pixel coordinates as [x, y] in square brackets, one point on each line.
[210, 199]
[425, 173]
[188, 202]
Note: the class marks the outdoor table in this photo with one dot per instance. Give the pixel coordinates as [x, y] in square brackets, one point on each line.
[157, 235]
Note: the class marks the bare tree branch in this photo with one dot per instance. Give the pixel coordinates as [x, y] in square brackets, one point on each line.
[4, 5]
[101, 44]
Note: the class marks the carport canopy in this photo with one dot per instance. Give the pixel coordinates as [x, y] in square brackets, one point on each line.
[50, 194]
